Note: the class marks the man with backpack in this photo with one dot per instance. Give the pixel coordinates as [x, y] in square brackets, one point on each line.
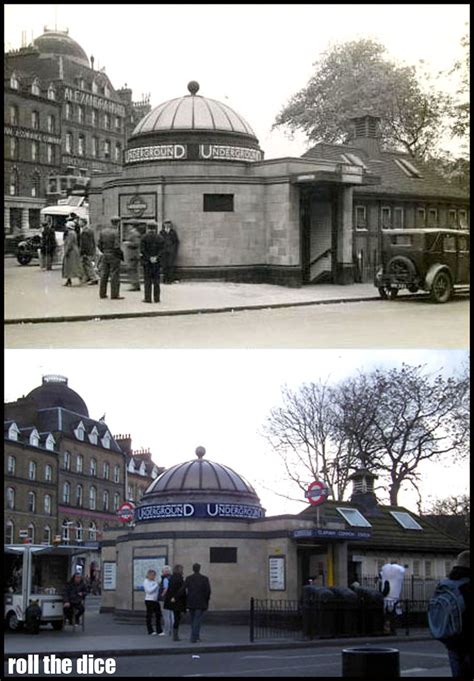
[449, 616]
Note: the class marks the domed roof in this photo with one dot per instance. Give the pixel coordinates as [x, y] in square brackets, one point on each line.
[59, 43]
[54, 392]
[193, 113]
[200, 478]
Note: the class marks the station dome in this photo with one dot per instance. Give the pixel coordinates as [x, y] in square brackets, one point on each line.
[200, 480]
[54, 392]
[58, 43]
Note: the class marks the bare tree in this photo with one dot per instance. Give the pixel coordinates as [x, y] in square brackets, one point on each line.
[452, 515]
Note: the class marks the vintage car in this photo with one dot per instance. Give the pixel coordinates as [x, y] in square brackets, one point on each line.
[27, 249]
[432, 260]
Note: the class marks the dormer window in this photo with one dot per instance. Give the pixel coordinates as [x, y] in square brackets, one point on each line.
[106, 440]
[35, 88]
[79, 432]
[51, 93]
[93, 436]
[131, 466]
[13, 432]
[142, 469]
[34, 438]
[154, 473]
[50, 442]
[14, 84]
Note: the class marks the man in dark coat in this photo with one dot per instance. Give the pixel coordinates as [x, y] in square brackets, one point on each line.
[151, 248]
[74, 595]
[109, 246]
[459, 651]
[48, 244]
[87, 251]
[170, 250]
[198, 593]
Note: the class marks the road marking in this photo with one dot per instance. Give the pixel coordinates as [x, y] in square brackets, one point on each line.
[415, 669]
[286, 657]
[257, 672]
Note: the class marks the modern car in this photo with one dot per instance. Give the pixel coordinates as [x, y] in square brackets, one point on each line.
[432, 260]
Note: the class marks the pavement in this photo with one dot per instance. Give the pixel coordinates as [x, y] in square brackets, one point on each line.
[33, 295]
[107, 636]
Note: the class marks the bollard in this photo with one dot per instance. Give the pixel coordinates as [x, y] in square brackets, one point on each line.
[371, 663]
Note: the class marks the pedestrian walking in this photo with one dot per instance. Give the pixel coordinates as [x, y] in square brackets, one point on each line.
[73, 217]
[87, 250]
[151, 248]
[133, 258]
[48, 245]
[175, 599]
[450, 616]
[170, 251]
[392, 576]
[109, 246]
[198, 592]
[153, 609]
[167, 613]
[71, 259]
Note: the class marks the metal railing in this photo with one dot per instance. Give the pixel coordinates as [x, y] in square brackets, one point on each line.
[413, 588]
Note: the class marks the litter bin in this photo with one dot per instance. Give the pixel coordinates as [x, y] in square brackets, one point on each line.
[318, 612]
[372, 662]
[370, 605]
[346, 611]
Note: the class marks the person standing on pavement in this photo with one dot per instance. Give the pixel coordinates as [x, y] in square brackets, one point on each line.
[109, 246]
[71, 259]
[459, 649]
[175, 599]
[74, 596]
[198, 592]
[153, 609]
[170, 251]
[167, 613]
[133, 247]
[48, 245]
[87, 250]
[151, 248]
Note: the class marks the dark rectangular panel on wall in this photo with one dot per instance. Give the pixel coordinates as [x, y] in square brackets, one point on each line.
[222, 554]
[218, 203]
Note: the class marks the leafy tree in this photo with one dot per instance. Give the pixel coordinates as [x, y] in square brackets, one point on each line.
[461, 109]
[356, 78]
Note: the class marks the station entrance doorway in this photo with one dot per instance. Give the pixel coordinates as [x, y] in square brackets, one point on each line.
[318, 229]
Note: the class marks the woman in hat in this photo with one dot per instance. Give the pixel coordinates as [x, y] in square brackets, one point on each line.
[72, 259]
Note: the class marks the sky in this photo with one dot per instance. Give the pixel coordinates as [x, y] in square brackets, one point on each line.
[252, 57]
[172, 401]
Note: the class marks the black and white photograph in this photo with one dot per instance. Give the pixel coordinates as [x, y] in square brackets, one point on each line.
[237, 372]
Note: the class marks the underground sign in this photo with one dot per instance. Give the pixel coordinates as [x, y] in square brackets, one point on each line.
[125, 512]
[317, 493]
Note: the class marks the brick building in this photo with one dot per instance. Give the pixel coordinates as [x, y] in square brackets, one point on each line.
[141, 470]
[71, 123]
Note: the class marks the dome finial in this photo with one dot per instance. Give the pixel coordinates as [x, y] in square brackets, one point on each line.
[193, 86]
[200, 451]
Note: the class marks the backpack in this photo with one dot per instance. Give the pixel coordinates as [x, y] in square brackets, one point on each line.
[446, 608]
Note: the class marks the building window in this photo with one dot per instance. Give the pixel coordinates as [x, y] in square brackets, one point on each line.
[31, 533]
[117, 473]
[14, 183]
[452, 219]
[31, 502]
[106, 121]
[95, 147]
[222, 554]
[9, 532]
[65, 527]
[79, 463]
[34, 438]
[35, 88]
[81, 145]
[47, 504]
[106, 470]
[32, 470]
[50, 153]
[79, 495]
[10, 498]
[51, 123]
[66, 493]
[68, 111]
[106, 440]
[361, 217]
[51, 93]
[105, 501]
[118, 153]
[36, 185]
[48, 473]
[47, 535]
[407, 167]
[11, 465]
[66, 461]
[217, 203]
[79, 531]
[52, 185]
[69, 144]
[433, 217]
[14, 118]
[398, 221]
[80, 114]
[354, 517]
[107, 149]
[428, 568]
[463, 219]
[35, 120]
[116, 501]
[386, 217]
[94, 118]
[13, 147]
[93, 468]
[118, 123]
[130, 493]
[14, 84]
[92, 498]
[92, 531]
[405, 520]
[421, 217]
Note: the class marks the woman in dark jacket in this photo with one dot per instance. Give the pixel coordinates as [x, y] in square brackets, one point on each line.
[174, 601]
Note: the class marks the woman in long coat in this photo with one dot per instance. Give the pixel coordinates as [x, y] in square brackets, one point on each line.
[72, 259]
[175, 598]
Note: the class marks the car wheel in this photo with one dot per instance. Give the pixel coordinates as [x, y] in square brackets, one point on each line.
[57, 626]
[387, 292]
[441, 288]
[413, 288]
[13, 623]
[23, 258]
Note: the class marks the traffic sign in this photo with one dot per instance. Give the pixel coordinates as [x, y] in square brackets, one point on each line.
[317, 493]
[125, 512]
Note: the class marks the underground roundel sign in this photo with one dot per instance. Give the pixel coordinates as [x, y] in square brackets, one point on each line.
[125, 512]
[317, 493]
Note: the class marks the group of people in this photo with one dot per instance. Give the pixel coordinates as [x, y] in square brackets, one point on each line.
[176, 595]
[99, 263]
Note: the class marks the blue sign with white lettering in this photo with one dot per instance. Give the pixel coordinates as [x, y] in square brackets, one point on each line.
[173, 511]
[331, 534]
